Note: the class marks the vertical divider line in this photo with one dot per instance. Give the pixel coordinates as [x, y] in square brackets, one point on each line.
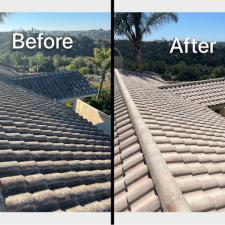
[112, 113]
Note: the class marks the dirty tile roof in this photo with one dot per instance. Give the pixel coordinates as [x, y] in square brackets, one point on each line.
[53, 85]
[207, 92]
[51, 159]
[182, 144]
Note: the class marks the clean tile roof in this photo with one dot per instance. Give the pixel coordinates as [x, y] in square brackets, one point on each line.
[134, 188]
[51, 159]
[207, 92]
[169, 149]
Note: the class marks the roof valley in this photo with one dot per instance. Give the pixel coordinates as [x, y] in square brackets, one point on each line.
[169, 193]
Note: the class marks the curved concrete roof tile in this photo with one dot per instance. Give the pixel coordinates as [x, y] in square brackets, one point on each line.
[190, 138]
[51, 159]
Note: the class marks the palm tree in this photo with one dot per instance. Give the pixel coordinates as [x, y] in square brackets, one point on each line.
[3, 16]
[103, 63]
[136, 25]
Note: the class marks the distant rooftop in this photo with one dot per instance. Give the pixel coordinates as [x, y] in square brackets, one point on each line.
[59, 86]
[209, 92]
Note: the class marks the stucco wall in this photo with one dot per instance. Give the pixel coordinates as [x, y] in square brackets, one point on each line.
[96, 117]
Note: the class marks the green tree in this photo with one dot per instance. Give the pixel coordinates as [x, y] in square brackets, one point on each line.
[103, 62]
[83, 70]
[3, 16]
[218, 72]
[70, 67]
[57, 61]
[79, 62]
[5, 59]
[18, 60]
[136, 25]
[36, 61]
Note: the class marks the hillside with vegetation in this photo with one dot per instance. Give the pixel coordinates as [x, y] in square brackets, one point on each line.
[55, 59]
[94, 37]
[176, 66]
[154, 56]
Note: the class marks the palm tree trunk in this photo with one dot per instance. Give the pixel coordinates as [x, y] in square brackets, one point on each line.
[101, 85]
[138, 54]
[37, 68]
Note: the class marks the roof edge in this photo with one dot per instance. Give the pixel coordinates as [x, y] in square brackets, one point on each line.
[64, 100]
[182, 84]
[170, 195]
[27, 75]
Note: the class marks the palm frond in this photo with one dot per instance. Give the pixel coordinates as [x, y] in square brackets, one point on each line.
[124, 23]
[3, 16]
[158, 20]
[135, 25]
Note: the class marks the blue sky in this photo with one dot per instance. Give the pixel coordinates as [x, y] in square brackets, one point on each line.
[57, 21]
[202, 26]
